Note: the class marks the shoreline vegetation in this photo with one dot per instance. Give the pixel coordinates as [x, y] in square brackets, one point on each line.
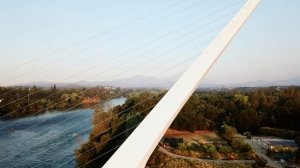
[225, 112]
[19, 102]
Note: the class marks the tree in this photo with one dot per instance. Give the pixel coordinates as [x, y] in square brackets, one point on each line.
[229, 132]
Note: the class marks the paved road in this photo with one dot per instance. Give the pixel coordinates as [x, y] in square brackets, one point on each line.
[164, 151]
[259, 152]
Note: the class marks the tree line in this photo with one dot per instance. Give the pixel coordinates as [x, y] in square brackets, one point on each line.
[17, 102]
[244, 109]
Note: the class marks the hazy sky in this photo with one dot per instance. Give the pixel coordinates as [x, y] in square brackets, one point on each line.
[42, 40]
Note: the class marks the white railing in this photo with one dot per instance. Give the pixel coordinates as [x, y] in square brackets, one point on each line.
[136, 150]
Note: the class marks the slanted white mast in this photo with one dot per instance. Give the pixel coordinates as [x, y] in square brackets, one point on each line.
[136, 150]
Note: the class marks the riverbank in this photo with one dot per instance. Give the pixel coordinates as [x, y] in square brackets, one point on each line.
[20, 102]
[46, 140]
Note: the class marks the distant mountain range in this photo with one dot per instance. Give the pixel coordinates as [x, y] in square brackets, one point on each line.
[167, 82]
[291, 81]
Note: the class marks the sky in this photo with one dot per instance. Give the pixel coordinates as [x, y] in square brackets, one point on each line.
[70, 41]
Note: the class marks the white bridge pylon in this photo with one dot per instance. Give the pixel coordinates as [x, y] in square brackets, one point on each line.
[138, 147]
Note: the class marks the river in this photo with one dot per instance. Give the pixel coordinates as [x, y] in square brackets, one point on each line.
[47, 140]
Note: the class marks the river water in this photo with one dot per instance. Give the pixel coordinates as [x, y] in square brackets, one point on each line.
[47, 140]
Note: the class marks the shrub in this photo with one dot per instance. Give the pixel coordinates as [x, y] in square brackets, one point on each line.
[225, 149]
[211, 149]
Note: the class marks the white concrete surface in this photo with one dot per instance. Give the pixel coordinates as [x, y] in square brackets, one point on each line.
[137, 149]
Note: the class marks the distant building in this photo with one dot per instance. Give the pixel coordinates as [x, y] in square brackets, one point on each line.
[280, 145]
